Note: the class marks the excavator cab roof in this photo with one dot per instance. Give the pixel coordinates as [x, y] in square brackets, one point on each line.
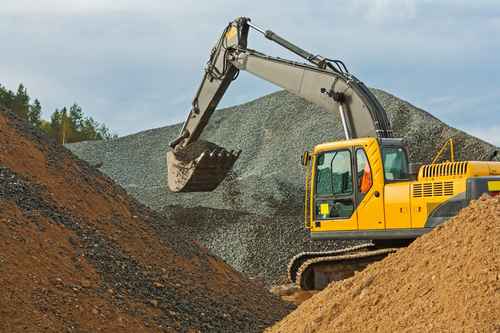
[383, 142]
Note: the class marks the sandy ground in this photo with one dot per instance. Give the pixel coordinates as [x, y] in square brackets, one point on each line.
[445, 281]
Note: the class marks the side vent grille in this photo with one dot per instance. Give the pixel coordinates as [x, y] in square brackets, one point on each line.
[428, 190]
[448, 188]
[436, 189]
[417, 190]
[444, 169]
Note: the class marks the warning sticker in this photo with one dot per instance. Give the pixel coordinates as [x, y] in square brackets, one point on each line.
[324, 209]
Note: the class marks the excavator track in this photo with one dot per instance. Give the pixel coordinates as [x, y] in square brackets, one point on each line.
[296, 262]
[316, 273]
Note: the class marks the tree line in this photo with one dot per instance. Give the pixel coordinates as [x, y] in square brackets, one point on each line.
[66, 125]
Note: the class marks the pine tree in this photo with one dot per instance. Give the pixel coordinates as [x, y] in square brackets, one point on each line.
[35, 113]
[6, 97]
[20, 104]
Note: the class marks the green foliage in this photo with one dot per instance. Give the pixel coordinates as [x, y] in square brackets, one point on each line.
[65, 125]
[35, 113]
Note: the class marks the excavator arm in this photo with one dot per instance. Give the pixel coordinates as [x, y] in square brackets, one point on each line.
[219, 73]
[195, 165]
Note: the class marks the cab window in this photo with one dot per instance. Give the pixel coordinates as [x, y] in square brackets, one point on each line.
[334, 185]
[395, 164]
[334, 174]
[324, 174]
[364, 173]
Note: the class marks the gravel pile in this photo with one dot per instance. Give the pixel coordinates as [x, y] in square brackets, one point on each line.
[272, 131]
[257, 245]
[77, 253]
[267, 182]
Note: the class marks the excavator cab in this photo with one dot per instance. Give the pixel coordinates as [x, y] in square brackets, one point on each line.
[348, 175]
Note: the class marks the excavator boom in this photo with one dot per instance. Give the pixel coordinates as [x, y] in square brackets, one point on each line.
[195, 165]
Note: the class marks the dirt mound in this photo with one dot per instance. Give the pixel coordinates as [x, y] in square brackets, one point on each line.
[446, 281]
[78, 254]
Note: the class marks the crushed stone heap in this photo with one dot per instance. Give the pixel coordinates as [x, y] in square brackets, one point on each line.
[446, 281]
[256, 224]
[272, 133]
[260, 246]
[77, 253]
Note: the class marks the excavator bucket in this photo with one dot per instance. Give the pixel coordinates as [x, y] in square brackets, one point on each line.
[199, 167]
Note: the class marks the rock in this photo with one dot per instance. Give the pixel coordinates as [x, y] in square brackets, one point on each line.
[86, 283]
[158, 285]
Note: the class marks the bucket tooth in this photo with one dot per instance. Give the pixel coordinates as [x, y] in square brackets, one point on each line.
[199, 170]
[202, 156]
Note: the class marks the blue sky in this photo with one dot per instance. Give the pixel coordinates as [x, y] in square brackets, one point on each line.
[136, 64]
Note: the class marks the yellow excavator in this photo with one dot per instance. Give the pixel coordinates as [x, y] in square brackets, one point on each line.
[362, 188]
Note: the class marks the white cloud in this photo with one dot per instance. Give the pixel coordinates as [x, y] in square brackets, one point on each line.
[386, 11]
[489, 134]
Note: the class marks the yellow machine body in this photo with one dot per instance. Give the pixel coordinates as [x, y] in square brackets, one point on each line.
[394, 207]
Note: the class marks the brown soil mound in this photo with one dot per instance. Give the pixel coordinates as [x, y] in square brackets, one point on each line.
[78, 254]
[446, 281]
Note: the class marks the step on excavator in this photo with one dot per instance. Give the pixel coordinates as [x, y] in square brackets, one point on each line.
[361, 188]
